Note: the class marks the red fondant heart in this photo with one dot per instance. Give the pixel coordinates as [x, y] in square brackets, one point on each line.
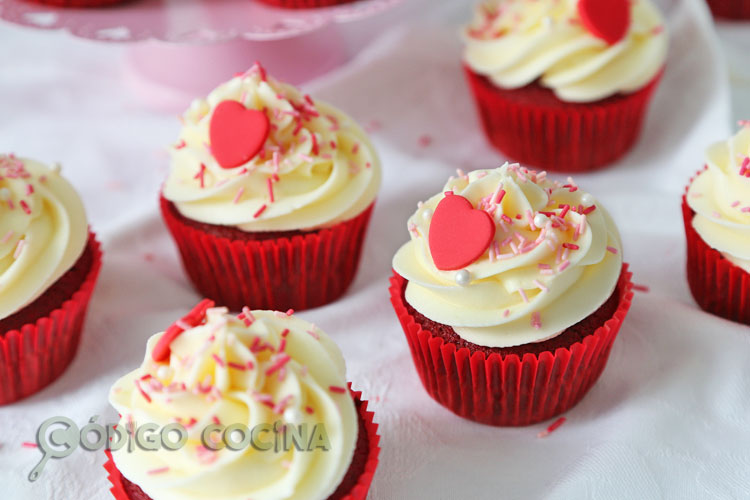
[237, 134]
[605, 19]
[459, 233]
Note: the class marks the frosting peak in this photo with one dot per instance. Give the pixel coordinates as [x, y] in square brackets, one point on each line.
[517, 42]
[43, 231]
[720, 198]
[298, 163]
[554, 259]
[258, 368]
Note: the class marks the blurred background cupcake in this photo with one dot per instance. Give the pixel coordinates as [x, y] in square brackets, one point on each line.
[511, 292]
[79, 3]
[49, 262]
[260, 368]
[730, 9]
[716, 211]
[564, 85]
[305, 4]
[269, 195]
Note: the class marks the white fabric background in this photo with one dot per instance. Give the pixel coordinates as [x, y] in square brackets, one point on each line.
[667, 418]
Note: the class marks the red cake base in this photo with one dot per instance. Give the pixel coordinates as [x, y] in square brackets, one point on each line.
[305, 4]
[38, 342]
[516, 385]
[532, 126]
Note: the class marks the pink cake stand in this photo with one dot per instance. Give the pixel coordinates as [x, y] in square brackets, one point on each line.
[186, 47]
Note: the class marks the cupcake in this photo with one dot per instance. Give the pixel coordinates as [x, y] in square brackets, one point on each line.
[564, 84]
[730, 9]
[269, 195]
[716, 212]
[272, 375]
[49, 265]
[511, 292]
[306, 4]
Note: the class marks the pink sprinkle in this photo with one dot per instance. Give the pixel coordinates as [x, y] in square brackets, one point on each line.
[309, 410]
[337, 389]
[29, 189]
[424, 141]
[544, 266]
[536, 320]
[218, 360]
[612, 250]
[7, 236]
[259, 211]
[745, 167]
[160, 470]
[25, 207]
[180, 144]
[641, 288]
[281, 361]
[19, 249]
[201, 175]
[285, 332]
[745, 210]
[552, 428]
[523, 295]
[237, 366]
[140, 389]
[744, 123]
[355, 148]
[571, 246]
[563, 266]
[506, 313]
[289, 312]
[239, 194]
[313, 334]
[27, 444]
[657, 30]
[246, 316]
[735, 204]
[541, 286]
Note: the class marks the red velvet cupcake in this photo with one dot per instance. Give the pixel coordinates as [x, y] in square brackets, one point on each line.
[271, 375]
[50, 265]
[716, 213]
[305, 4]
[511, 293]
[269, 195]
[730, 9]
[564, 86]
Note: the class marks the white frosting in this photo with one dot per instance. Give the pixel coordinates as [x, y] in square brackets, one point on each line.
[322, 166]
[216, 389]
[43, 231]
[720, 198]
[517, 42]
[527, 288]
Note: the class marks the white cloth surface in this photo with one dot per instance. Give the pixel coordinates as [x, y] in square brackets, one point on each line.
[667, 419]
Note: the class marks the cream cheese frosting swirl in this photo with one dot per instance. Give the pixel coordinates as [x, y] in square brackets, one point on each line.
[517, 42]
[43, 231]
[257, 368]
[316, 168]
[555, 259]
[720, 198]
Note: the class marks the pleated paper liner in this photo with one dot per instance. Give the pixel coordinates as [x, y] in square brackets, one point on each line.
[509, 390]
[730, 9]
[299, 272]
[305, 4]
[35, 352]
[532, 126]
[718, 286]
[354, 486]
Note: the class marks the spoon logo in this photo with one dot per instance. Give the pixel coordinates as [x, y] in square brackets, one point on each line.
[59, 443]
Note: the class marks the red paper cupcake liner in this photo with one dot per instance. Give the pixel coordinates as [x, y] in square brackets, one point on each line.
[305, 4]
[300, 272]
[509, 390]
[718, 286]
[78, 3]
[532, 126]
[34, 355]
[730, 9]
[358, 486]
